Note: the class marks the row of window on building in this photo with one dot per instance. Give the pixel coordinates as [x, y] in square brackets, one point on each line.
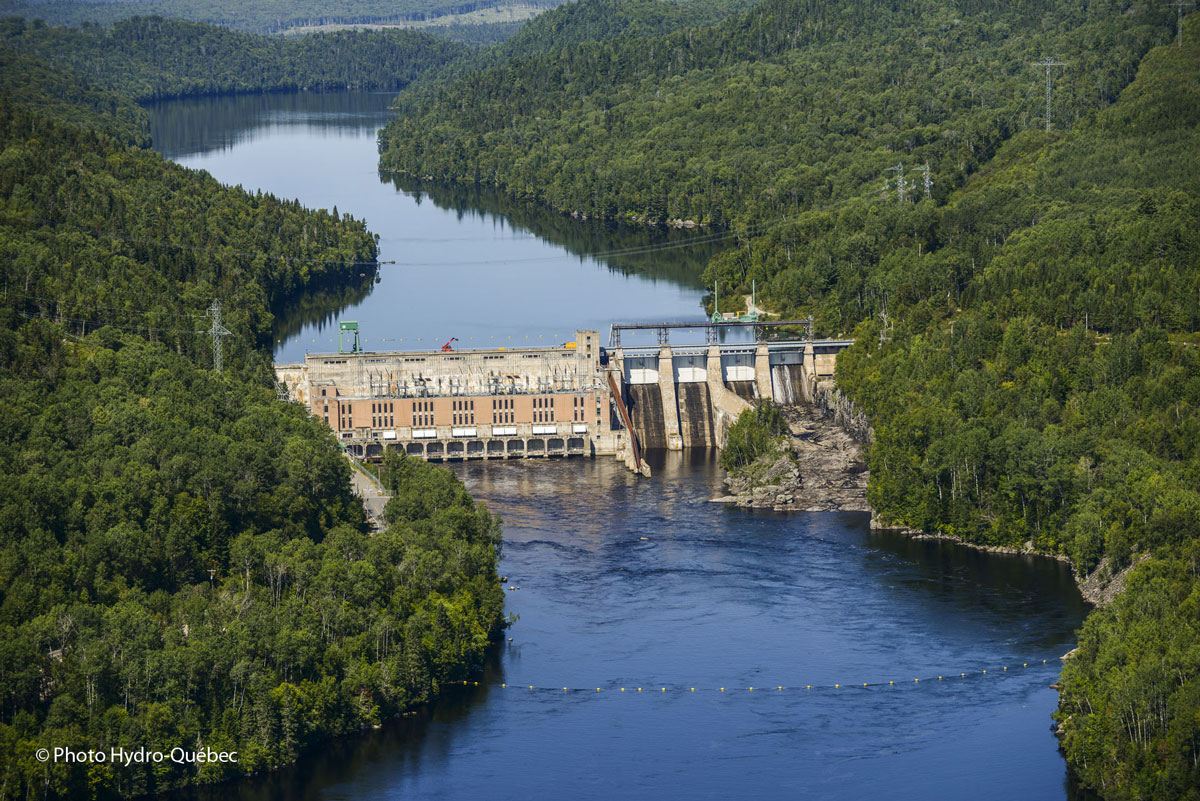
[462, 412]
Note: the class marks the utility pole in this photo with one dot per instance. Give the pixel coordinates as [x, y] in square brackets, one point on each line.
[928, 182]
[1179, 6]
[216, 331]
[901, 186]
[1048, 64]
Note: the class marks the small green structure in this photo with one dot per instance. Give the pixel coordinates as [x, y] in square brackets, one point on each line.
[345, 330]
[750, 316]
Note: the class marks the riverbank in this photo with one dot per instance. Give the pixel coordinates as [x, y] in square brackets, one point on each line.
[821, 468]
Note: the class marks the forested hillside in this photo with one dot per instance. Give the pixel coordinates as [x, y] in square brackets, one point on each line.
[789, 106]
[147, 58]
[182, 563]
[256, 16]
[1040, 383]
[1027, 331]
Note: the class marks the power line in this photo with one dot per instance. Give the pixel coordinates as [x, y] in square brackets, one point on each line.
[1048, 64]
[1179, 6]
[901, 186]
[216, 331]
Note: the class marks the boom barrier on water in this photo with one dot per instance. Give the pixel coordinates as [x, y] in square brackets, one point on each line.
[973, 674]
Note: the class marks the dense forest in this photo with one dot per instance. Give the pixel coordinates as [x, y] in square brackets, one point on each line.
[254, 16]
[1026, 322]
[182, 561]
[147, 58]
[786, 107]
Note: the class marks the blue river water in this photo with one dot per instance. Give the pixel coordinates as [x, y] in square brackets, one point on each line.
[634, 583]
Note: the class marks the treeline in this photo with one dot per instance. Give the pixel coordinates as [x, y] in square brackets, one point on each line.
[789, 106]
[1038, 382]
[1026, 334]
[182, 562]
[254, 16]
[147, 58]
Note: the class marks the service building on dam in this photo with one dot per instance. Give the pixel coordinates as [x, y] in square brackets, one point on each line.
[474, 404]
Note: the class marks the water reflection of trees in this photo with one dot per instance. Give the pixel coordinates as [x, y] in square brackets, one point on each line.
[203, 124]
[680, 265]
[320, 307]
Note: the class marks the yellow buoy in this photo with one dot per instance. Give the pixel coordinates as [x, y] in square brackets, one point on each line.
[837, 686]
[503, 685]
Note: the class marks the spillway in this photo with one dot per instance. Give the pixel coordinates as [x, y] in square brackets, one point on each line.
[646, 411]
[695, 416]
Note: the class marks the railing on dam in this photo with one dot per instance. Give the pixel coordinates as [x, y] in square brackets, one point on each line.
[712, 331]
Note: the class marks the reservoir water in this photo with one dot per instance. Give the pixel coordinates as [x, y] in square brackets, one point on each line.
[633, 583]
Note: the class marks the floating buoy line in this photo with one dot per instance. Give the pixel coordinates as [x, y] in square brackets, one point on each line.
[660, 689]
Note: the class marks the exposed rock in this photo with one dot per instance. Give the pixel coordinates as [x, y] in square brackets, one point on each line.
[819, 469]
[1103, 584]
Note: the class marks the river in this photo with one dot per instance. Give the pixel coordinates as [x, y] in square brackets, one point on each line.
[633, 583]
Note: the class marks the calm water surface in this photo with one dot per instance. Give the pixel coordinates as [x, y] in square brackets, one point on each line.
[468, 265]
[632, 583]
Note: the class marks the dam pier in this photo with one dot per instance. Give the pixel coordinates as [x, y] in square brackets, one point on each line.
[575, 399]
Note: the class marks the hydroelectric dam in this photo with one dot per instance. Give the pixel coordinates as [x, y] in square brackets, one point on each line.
[576, 399]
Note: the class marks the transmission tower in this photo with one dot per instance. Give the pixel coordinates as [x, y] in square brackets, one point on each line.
[216, 331]
[928, 182]
[1179, 6]
[1048, 64]
[901, 185]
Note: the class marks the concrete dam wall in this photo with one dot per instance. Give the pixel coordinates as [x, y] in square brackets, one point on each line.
[695, 417]
[646, 409]
[689, 397]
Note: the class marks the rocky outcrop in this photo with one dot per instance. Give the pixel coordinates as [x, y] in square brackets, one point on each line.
[1105, 583]
[819, 468]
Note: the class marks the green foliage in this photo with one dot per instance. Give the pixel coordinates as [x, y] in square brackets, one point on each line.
[756, 432]
[1132, 690]
[146, 58]
[35, 84]
[182, 562]
[788, 107]
[94, 232]
[258, 16]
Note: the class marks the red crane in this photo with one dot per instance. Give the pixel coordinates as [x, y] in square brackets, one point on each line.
[447, 345]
